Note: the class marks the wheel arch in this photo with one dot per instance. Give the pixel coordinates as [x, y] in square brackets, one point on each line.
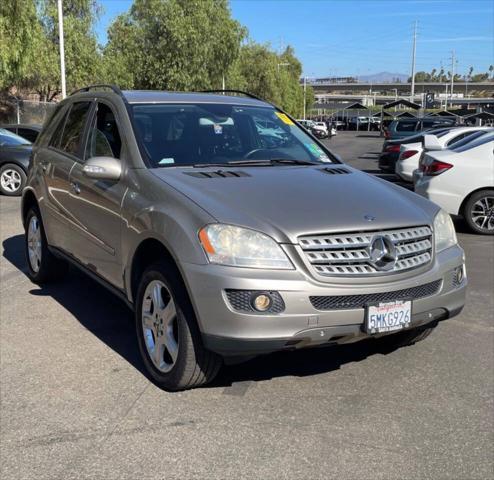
[150, 250]
[28, 201]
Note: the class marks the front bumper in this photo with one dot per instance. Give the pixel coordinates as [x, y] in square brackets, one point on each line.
[230, 332]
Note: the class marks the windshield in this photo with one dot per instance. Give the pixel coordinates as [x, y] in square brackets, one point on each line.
[205, 134]
[9, 139]
[473, 141]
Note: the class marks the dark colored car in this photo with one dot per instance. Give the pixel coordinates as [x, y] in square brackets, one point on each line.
[15, 152]
[29, 132]
[407, 127]
[391, 148]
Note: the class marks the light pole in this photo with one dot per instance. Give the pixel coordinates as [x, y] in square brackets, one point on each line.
[62, 48]
[413, 61]
[305, 93]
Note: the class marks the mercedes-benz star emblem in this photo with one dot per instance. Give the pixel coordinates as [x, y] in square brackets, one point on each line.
[382, 253]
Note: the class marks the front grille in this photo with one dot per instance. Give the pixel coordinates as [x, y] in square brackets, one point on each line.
[348, 253]
[348, 302]
[241, 301]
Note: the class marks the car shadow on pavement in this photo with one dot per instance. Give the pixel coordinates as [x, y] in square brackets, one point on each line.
[297, 363]
[111, 321]
[94, 307]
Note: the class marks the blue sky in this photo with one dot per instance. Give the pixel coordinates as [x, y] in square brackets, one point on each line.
[359, 37]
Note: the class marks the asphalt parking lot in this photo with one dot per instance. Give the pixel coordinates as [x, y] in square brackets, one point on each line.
[76, 404]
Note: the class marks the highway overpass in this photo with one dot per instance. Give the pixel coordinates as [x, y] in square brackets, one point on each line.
[403, 89]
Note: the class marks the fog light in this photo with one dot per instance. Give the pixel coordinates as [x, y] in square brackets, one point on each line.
[261, 302]
[459, 275]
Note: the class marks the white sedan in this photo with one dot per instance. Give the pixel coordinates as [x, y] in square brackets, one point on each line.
[410, 153]
[461, 181]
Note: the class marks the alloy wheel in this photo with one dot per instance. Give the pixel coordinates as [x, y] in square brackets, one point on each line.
[160, 326]
[10, 180]
[483, 213]
[34, 243]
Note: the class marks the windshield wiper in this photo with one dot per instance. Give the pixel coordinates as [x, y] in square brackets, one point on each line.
[273, 161]
[257, 163]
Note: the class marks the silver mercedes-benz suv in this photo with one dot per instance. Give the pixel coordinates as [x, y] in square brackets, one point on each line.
[231, 231]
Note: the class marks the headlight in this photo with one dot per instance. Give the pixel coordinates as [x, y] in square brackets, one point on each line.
[241, 247]
[444, 231]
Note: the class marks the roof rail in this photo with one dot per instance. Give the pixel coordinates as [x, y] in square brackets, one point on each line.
[247, 94]
[114, 88]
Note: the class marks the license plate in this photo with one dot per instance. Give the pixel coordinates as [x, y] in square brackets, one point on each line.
[388, 316]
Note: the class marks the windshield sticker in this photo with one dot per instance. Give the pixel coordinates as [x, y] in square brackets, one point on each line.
[218, 129]
[284, 118]
[166, 161]
[317, 151]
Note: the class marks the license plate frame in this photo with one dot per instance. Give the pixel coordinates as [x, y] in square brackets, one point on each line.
[389, 322]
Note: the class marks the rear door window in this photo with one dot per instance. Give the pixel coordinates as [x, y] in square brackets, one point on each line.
[473, 141]
[453, 141]
[406, 126]
[73, 131]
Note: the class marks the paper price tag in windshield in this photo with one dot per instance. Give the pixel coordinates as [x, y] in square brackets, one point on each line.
[284, 118]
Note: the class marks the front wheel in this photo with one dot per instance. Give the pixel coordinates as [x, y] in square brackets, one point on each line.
[479, 212]
[169, 339]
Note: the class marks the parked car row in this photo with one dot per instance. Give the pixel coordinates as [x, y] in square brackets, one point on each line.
[318, 129]
[401, 132]
[460, 179]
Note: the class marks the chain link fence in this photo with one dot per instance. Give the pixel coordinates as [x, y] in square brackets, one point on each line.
[25, 111]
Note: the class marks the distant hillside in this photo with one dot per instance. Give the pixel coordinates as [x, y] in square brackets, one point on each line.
[384, 77]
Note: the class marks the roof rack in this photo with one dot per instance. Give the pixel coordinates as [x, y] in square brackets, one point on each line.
[247, 94]
[113, 88]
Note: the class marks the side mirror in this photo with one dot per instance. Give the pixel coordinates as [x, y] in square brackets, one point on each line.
[104, 168]
[432, 143]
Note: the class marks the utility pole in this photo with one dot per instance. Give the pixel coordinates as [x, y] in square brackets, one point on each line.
[305, 93]
[62, 48]
[413, 60]
[452, 76]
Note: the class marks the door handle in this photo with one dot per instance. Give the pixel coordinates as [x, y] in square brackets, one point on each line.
[75, 187]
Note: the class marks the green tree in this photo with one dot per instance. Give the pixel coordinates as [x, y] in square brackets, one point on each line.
[275, 78]
[31, 26]
[82, 58]
[182, 45]
[19, 36]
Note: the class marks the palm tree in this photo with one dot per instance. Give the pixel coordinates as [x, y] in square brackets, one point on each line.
[491, 70]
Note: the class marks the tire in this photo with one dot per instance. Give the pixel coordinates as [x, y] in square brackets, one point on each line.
[168, 336]
[12, 180]
[43, 266]
[479, 212]
[404, 339]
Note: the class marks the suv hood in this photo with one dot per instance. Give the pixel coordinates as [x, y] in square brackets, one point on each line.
[287, 201]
